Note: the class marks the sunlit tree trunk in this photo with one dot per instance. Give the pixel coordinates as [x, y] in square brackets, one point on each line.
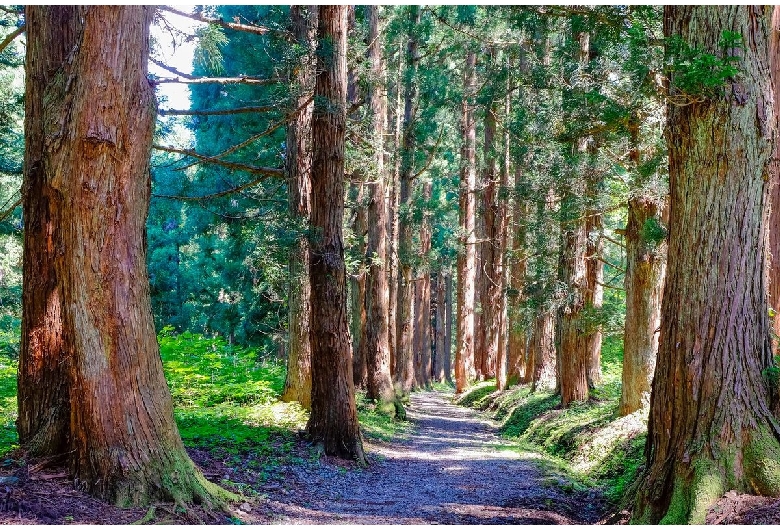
[594, 266]
[516, 371]
[333, 422]
[440, 317]
[376, 341]
[464, 347]
[357, 284]
[405, 369]
[297, 385]
[711, 428]
[105, 408]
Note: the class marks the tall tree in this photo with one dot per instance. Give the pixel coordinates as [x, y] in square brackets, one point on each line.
[464, 347]
[333, 423]
[91, 382]
[297, 386]
[376, 340]
[774, 194]
[711, 428]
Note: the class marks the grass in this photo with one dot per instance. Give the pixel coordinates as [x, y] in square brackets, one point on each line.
[587, 443]
[226, 401]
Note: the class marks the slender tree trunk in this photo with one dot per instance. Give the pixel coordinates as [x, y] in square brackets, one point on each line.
[500, 268]
[594, 294]
[376, 339]
[774, 193]
[489, 276]
[448, 328]
[464, 348]
[106, 407]
[423, 302]
[297, 385]
[440, 317]
[358, 293]
[711, 428]
[333, 423]
[405, 369]
[516, 371]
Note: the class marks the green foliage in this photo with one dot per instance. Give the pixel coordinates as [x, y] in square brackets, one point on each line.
[377, 425]
[9, 344]
[697, 73]
[653, 231]
[772, 373]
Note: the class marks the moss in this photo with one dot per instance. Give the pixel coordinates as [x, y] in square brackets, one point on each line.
[709, 484]
[762, 463]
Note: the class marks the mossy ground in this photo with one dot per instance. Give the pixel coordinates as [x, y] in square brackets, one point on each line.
[586, 445]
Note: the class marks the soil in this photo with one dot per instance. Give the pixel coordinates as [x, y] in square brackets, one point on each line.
[452, 469]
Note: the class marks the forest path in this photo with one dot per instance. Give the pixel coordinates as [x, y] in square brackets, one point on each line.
[451, 470]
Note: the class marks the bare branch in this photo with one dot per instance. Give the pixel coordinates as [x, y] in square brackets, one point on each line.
[223, 112]
[191, 79]
[9, 211]
[257, 30]
[10, 38]
[265, 171]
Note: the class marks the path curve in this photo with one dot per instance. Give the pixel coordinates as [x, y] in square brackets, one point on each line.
[450, 470]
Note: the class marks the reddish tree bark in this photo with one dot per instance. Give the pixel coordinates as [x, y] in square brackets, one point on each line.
[464, 347]
[774, 190]
[376, 340]
[711, 428]
[105, 407]
[297, 385]
[333, 422]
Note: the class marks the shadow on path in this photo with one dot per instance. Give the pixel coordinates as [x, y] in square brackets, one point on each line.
[451, 470]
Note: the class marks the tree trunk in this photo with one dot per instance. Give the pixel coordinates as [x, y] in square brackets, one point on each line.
[358, 293]
[517, 337]
[106, 407]
[440, 317]
[644, 281]
[711, 428]
[297, 385]
[464, 348]
[333, 423]
[774, 193]
[423, 302]
[542, 355]
[376, 339]
[405, 366]
[448, 328]
[594, 294]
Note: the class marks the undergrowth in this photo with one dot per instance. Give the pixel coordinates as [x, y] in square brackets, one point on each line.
[587, 443]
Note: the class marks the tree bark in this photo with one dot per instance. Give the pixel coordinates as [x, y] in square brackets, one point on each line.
[517, 337]
[440, 317]
[358, 293]
[774, 193]
[333, 422]
[106, 408]
[297, 385]
[464, 348]
[376, 339]
[594, 294]
[543, 355]
[448, 327]
[711, 428]
[405, 366]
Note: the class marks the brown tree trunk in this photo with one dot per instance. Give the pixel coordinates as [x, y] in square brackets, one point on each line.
[405, 366]
[542, 354]
[440, 317]
[464, 348]
[711, 428]
[297, 385]
[448, 328]
[379, 385]
[774, 190]
[333, 423]
[357, 284]
[89, 122]
[423, 302]
[644, 281]
[594, 294]
[489, 275]
[516, 371]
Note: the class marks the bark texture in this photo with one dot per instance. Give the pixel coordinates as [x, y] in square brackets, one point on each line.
[464, 347]
[333, 423]
[376, 339]
[774, 193]
[711, 428]
[89, 123]
[297, 385]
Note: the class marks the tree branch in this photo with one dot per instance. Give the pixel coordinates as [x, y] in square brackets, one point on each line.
[223, 112]
[265, 171]
[198, 17]
[9, 211]
[191, 79]
[430, 158]
[11, 36]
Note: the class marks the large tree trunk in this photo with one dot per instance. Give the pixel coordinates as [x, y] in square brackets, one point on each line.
[297, 385]
[711, 428]
[423, 300]
[405, 369]
[333, 423]
[105, 408]
[464, 347]
[376, 339]
[542, 354]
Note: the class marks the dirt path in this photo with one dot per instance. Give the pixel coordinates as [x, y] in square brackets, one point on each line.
[451, 470]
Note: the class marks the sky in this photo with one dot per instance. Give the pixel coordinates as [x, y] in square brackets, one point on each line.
[174, 51]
